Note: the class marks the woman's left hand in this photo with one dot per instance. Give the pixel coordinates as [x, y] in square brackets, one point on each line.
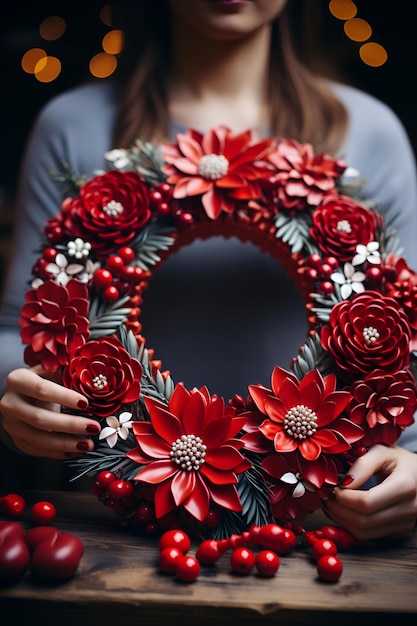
[389, 509]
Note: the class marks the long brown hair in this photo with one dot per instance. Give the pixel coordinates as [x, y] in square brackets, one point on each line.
[302, 104]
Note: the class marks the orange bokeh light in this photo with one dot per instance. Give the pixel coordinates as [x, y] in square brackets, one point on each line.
[31, 58]
[373, 54]
[113, 42]
[102, 65]
[52, 28]
[343, 9]
[47, 69]
[357, 29]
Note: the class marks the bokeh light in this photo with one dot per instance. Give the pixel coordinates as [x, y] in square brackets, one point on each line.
[373, 54]
[105, 15]
[102, 65]
[357, 29]
[47, 69]
[343, 9]
[52, 28]
[113, 42]
[31, 58]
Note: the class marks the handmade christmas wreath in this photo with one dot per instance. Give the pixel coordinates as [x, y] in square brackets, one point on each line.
[186, 457]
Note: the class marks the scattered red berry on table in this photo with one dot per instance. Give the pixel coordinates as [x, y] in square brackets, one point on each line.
[242, 560]
[209, 552]
[175, 538]
[13, 505]
[267, 563]
[329, 568]
[187, 568]
[323, 547]
[168, 558]
[43, 512]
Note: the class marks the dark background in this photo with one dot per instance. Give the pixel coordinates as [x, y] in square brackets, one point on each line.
[22, 96]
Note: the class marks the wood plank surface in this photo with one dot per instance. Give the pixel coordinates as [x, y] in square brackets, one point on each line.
[118, 582]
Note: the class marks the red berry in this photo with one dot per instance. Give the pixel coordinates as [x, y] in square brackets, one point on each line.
[175, 539]
[329, 568]
[127, 253]
[111, 293]
[167, 560]
[187, 568]
[102, 278]
[49, 254]
[115, 263]
[267, 563]
[102, 481]
[345, 539]
[323, 547]
[208, 552]
[144, 513]
[242, 560]
[120, 489]
[43, 513]
[14, 505]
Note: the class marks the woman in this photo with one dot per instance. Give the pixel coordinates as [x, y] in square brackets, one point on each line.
[199, 64]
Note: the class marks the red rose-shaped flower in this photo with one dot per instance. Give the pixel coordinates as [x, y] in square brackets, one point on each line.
[220, 166]
[384, 405]
[340, 224]
[105, 373]
[54, 322]
[109, 211]
[368, 332]
[190, 452]
[305, 416]
[402, 286]
[303, 177]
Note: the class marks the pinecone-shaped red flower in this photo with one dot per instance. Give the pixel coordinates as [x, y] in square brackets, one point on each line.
[105, 373]
[340, 224]
[190, 452]
[366, 333]
[384, 405]
[54, 322]
[402, 286]
[220, 166]
[109, 211]
[303, 177]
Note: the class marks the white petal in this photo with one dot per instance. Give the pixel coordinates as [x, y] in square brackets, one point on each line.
[61, 260]
[358, 259]
[299, 491]
[112, 440]
[125, 417]
[358, 277]
[123, 432]
[338, 278]
[358, 287]
[107, 431]
[289, 478]
[348, 269]
[373, 246]
[112, 421]
[345, 291]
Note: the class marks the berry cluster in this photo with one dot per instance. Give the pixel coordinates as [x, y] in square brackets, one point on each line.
[49, 553]
[260, 547]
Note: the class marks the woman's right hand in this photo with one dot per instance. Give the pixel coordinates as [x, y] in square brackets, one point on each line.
[32, 416]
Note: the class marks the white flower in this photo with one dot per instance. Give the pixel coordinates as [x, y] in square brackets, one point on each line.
[369, 253]
[116, 428]
[118, 157]
[349, 281]
[61, 271]
[296, 479]
[88, 271]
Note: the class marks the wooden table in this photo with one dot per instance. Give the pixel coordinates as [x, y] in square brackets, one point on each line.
[118, 583]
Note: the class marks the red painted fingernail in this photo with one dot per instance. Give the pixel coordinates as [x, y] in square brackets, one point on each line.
[93, 429]
[82, 445]
[82, 404]
[347, 480]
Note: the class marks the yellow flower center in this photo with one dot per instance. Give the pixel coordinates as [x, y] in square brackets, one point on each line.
[300, 422]
[188, 452]
[213, 166]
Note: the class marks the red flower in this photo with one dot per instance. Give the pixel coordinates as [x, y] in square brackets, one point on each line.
[54, 322]
[340, 224]
[109, 211]
[105, 373]
[220, 166]
[368, 332]
[191, 452]
[303, 177]
[305, 416]
[403, 288]
[384, 405]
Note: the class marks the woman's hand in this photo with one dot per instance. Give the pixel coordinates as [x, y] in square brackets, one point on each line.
[31, 411]
[388, 509]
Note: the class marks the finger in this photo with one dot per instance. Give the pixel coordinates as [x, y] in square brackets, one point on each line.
[29, 383]
[52, 445]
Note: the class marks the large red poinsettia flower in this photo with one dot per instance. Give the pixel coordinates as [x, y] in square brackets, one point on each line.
[105, 373]
[108, 212]
[220, 166]
[384, 405]
[302, 177]
[305, 416]
[190, 452]
[339, 224]
[54, 322]
[369, 331]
